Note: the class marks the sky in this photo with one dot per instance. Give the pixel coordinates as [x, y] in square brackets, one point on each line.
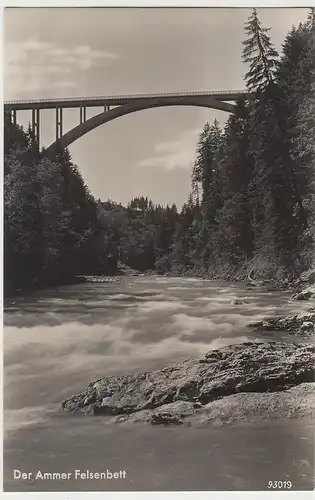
[65, 52]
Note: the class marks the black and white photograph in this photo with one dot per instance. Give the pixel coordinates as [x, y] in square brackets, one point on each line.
[158, 244]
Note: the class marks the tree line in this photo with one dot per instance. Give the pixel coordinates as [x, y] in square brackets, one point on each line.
[51, 228]
[252, 203]
[55, 230]
[251, 206]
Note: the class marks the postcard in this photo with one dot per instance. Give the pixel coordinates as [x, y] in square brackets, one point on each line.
[158, 249]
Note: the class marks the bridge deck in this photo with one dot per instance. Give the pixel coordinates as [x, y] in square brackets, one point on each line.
[76, 102]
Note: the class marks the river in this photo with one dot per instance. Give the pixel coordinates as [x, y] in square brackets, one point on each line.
[56, 341]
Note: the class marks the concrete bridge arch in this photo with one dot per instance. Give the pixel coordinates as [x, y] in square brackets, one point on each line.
[114, 107]
[126, 109]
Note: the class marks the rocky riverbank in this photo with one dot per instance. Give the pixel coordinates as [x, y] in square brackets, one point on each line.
[299, 324]
[305, 294]
[303, 287]
[234, 382]
[122, 270]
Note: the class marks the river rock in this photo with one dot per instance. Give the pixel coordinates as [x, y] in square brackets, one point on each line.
[306, 294]
[294, 403]
[167, 396]
[238, 302]
[297, 324]
[172, 413]
[307, 277]
[128, 271]
[297, 402]
[253, 283]
[101, 279]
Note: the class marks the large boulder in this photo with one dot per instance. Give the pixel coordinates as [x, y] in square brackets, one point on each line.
[169, 395]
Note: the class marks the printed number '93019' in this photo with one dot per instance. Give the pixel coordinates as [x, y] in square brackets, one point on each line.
[279, 485]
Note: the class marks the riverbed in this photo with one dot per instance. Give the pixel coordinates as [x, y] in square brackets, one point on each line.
[56, 341]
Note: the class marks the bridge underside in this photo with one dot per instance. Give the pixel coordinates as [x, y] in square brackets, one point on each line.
[111, 114]
[86, 125]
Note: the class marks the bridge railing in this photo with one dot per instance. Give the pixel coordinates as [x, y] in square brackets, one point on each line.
[124, 97]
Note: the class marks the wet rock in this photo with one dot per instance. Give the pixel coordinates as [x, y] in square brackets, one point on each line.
[169, 395]
[101, 279]
[307, 326]
[306, 294]
[307, 277]
[298, 402]
[172, 413]
[164, 419]
[90, 399]
[125, 270]
[296, 324]
[238, 302]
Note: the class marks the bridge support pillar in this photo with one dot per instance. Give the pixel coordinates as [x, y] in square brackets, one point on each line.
[13, 116]
[58, 123]
[106, 108]
[36, 124]
[82, 114]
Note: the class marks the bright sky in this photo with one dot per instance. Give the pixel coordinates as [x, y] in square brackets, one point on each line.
[66, 52]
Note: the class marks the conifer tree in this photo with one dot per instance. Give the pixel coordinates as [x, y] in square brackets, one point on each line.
[235, 235]
[205, 166]
[259, 53]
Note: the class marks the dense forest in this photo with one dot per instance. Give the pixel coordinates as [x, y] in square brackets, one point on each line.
[250, 210]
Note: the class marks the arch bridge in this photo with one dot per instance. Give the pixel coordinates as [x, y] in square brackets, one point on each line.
[113, 107]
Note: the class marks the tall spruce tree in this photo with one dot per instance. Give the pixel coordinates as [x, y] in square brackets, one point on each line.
[259, 53]
[206, 164]
[277, 190]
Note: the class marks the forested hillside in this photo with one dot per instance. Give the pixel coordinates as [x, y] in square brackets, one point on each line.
[50, 219]
[252, 206]
[54, 229]
[251, 209]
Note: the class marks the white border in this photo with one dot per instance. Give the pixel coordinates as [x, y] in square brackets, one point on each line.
[176, 495]
[203, 495]
[165, 495]
[160, 3]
